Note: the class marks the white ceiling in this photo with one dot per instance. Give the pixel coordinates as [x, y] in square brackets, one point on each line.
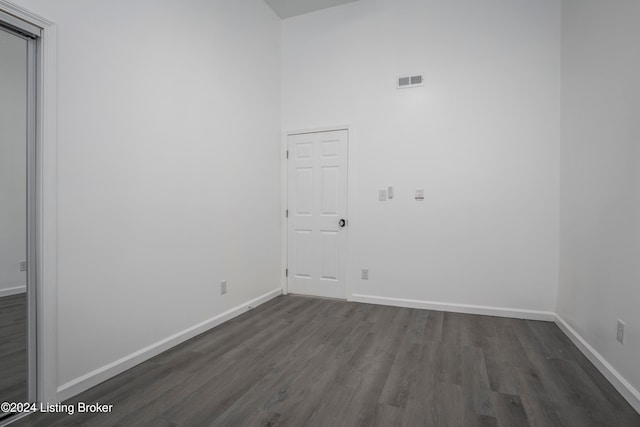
[289, 8]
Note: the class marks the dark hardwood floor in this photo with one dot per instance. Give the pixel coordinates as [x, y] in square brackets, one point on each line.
[13, 348]
[299, 361]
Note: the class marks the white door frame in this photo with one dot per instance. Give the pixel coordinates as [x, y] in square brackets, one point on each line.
[46, 363]
[284, 191]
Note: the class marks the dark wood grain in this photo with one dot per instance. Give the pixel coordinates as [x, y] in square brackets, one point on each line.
[299, 361]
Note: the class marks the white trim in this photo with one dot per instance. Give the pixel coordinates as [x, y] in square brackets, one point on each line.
[94, 378]
[515, 313]
[318, 129]
[13, 291]
[351, 197]
[48, 218]
[284, 186]
[22, 27]
[23, 14]
[284, 201]
[46, 268]
[610, 373]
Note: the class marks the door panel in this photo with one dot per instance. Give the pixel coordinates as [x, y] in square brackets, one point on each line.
[317, 201]
[330, 250]
[304, 191]
[304, 253]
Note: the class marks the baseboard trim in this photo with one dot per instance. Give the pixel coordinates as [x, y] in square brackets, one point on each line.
[102, 374]
[13, 291]
[546, 316]
[610, 373]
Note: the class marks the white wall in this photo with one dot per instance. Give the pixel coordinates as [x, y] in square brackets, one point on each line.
[169, 163]
[168, 158]
[481, 138]
[13, 158]
[600, 183]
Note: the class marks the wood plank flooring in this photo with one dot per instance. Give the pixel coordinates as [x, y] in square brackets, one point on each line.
[299, 361]
[13, 348]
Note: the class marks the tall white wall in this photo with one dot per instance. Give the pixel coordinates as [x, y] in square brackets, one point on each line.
[168, 160]
[13, 158]
[600, 182]
[481, 138]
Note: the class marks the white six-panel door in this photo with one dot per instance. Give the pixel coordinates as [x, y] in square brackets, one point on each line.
[317, 188]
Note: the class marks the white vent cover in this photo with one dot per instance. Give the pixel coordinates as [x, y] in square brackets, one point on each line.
[410, 81]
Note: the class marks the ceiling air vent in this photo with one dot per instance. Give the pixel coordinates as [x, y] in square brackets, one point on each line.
[410, 81]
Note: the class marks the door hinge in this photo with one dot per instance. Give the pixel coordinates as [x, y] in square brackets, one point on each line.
[287, 214]
[287, 154]
[286, 273]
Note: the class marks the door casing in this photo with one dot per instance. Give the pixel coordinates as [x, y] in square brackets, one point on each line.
[43, 198]
[284, 183]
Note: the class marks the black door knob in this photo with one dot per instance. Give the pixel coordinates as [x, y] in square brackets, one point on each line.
[342, 223]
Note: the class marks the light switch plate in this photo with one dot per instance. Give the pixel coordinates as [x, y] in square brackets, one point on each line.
[420, 195]
[382, 195]
[390, 192]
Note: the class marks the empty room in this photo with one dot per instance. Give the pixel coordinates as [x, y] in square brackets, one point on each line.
[320, 213]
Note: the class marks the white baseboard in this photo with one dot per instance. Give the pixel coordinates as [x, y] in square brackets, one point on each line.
[546, 316]
[102, 374]
[624, 388]
[622, 385]
[13, 291]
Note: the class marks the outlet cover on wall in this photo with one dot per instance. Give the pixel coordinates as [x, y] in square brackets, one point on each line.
[620, 335]
[382, 195]
[223, 287]
[23, 265]
[365, 274]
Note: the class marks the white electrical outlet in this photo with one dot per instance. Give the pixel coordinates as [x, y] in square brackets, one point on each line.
[365, 274]
[223, 287]
[382, 195]
[390, 192]
[620, 336]
[23, 265]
